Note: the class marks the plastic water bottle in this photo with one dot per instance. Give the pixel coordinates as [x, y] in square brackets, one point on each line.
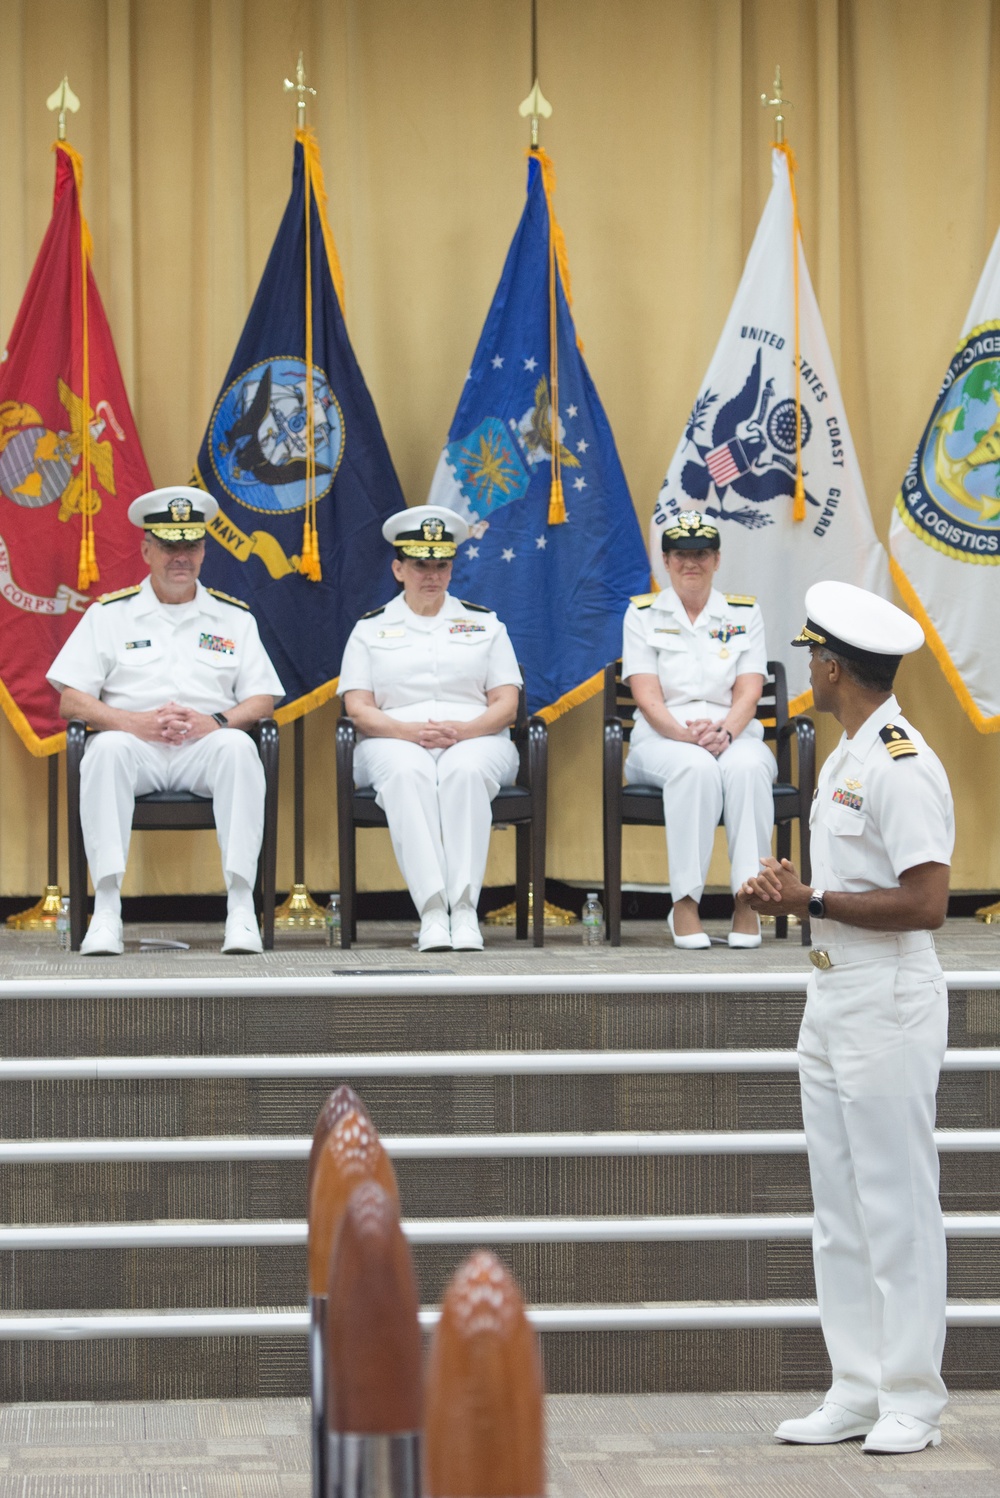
[62, 923]
[333, 921]
[593, 921]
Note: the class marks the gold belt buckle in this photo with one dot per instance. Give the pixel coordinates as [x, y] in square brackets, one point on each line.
[820, 958]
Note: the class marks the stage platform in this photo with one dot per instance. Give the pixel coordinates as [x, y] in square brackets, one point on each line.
[963, 944]
[717, 1445]
[622, 1126]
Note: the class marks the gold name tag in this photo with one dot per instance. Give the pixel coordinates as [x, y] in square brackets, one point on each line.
[392, 634]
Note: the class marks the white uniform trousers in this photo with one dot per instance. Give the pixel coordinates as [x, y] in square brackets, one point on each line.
[437, 804]
[870, 1050]
[117, 767]
[698, 789]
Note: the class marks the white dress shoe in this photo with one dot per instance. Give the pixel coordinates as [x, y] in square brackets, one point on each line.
[104, 939]
[830, 1423]
[465, 933]
[744, 938]
[897, 1433]
[435, 932]
[697, 941]
[242, 933]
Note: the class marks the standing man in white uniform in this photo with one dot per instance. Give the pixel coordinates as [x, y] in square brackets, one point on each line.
[432, 685]
[167, 671]
[874, 1032]
[695, 660]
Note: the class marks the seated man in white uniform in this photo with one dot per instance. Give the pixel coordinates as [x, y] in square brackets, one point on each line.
[432, 685]
[167, 671]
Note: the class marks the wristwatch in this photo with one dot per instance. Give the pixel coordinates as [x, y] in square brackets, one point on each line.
[816, 906]
[221, 719]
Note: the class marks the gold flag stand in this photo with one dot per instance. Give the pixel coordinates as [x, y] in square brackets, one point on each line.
[989, 913]
[299, 912]
[506, 915]
[43, 914]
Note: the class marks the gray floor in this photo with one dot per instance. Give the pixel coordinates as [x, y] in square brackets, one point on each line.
[600, 1446]
[384, 945]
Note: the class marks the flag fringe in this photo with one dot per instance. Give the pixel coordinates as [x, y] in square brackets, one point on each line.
[40, 748]
[939, 650]
[310, 149]
[306, 704]
[568, 700]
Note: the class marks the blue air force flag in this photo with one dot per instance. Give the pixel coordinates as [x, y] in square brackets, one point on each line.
[945, 532]
[738, 457]
[255, 460]
[562, 588]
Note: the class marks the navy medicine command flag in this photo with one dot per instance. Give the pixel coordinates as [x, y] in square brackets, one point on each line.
[295, 455]
[945, 532]
[530, 462]
[767, 453]
[70, 465]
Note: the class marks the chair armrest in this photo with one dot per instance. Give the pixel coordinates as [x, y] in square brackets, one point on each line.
[804, 731]
[265, 735]
[538, 753]
[344, 742]
[76, 740]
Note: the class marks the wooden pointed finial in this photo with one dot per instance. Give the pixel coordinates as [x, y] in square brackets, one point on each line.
[301, 89]
[779, 104]
[63, 99]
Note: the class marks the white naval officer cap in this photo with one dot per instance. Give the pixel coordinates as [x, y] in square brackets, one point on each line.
[857, 624]
[426, 531]
[177, 513]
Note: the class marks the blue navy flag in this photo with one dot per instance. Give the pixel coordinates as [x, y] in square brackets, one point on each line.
[255, 460]
[560, 586]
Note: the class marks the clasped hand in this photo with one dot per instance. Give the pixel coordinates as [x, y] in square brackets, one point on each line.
[777, 889]
[173, 724]
[443, 735]
[708, 735]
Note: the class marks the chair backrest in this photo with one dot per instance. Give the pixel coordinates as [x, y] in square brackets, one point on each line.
[772, 709]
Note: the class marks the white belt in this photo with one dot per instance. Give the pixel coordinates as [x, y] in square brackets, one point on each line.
[891, 944]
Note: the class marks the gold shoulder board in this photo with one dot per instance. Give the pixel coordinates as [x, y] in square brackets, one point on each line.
[476, 608]
[897, 743]
[227, 598]
[741, 600]
[119, 594]
[374, 613]
[642, 600]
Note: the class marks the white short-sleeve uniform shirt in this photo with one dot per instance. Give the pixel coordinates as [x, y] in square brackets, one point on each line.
[136, 653]
[695, 664]
[437, 666]
[877, 814]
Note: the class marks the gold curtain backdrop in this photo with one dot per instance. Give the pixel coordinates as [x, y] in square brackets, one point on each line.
[661, 150]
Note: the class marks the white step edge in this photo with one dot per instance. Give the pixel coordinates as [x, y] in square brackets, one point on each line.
[77, 1237]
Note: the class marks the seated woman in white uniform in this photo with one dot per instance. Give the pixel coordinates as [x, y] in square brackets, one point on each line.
[695, 661]
[432, 685]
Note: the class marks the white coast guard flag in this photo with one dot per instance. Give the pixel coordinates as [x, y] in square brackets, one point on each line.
[945, 532]
[736, 462]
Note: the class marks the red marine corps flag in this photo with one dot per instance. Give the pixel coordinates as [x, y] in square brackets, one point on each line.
[70, 464]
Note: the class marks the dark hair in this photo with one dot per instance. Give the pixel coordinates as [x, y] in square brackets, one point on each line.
[876, 673]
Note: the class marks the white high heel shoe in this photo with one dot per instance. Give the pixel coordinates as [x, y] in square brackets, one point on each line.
[744, 938]
[698, 941]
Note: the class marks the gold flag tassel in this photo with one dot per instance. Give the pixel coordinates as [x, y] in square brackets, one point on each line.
[558, 270]
[87, 569]
[799, 503]
[309, 562]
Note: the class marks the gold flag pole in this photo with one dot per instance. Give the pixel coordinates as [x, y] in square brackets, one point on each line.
[779, 104]
[43, 914]
[299, 912]
[533, 106]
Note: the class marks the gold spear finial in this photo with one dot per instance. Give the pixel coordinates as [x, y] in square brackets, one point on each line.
[535, 104]
[301, 88]
[63, 99]
[779, 104]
